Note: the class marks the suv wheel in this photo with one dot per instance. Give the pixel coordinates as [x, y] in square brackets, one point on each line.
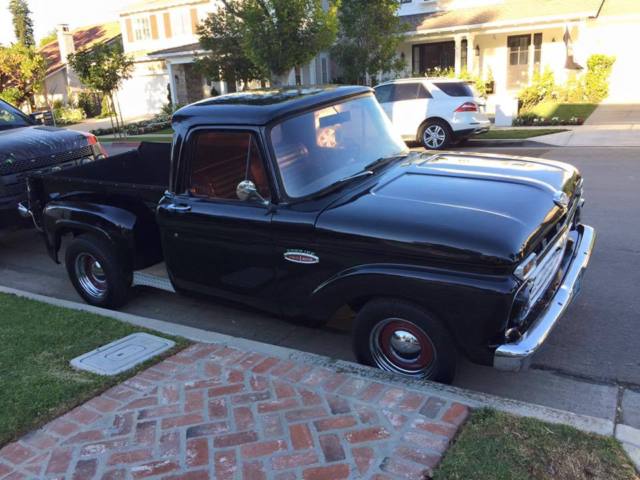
[402, 338]
[436, 135]
[96, 271]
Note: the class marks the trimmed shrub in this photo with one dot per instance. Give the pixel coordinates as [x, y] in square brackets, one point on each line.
[541, 88]
[90, 103]
[68, 115]
[596, 80]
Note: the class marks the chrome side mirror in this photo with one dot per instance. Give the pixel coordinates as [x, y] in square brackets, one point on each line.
[246, 190]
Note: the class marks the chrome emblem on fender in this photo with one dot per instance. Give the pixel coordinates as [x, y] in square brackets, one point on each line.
[301, 256]
[561, 199]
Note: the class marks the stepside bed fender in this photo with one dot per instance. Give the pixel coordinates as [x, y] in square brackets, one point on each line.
[487, 298]
[116, 224]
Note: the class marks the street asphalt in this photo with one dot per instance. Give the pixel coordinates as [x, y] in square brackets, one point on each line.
[589, 365]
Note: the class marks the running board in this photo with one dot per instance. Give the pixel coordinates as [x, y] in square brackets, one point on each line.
[143, 279]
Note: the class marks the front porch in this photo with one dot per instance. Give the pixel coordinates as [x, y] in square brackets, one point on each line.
[507, 57]
[186, 83]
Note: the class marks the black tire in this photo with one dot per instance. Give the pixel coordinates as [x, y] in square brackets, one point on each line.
[381, 320]
[435, 135]
[105, 284]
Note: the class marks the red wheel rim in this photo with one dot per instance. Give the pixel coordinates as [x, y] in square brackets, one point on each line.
[401, 346]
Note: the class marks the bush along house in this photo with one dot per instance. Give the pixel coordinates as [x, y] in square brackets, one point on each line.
[505, 42]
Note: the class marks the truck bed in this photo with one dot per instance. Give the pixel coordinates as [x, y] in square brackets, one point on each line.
[142, 174]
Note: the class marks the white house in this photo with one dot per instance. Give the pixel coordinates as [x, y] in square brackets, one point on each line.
[161, 35]
[508, 40]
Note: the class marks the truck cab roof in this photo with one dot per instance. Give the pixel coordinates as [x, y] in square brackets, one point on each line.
[260, 107]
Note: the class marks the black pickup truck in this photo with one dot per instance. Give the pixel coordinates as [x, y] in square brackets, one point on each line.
[26, 148]
[303, 202]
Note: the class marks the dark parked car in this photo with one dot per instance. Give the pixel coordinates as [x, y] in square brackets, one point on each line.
[302, 202]
[26, 147]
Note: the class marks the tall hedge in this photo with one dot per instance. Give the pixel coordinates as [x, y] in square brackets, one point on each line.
[597, 77]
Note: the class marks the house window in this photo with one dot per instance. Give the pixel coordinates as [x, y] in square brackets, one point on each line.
[463, 54]
[430, 57]
[181, 22]
[325, 70]
[537, 50]
[519, 49]
[141, 28]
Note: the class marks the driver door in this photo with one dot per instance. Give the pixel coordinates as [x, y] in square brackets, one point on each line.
[213, 242]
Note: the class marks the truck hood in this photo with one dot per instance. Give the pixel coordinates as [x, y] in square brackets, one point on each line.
[456, 208]
[21, 146]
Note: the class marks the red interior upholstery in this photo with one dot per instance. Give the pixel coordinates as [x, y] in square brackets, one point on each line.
[220, 163]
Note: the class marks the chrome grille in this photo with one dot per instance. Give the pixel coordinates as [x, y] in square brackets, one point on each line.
[546, 269]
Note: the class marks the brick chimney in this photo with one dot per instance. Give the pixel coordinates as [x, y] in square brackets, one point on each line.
[65, 41]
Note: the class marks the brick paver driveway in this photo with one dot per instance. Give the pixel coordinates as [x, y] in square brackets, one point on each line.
[217, 412]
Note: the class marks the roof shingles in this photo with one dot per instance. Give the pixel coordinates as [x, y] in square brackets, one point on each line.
[508, 11]
[83, 38]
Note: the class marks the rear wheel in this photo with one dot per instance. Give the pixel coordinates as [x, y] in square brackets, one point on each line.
[436, 135]
[402, 338]
[97, 272]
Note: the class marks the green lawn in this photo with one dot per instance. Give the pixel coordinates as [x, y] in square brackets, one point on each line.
[564, 111]
[517, 133]
[497, 446]
[37, 341]
[165, 130]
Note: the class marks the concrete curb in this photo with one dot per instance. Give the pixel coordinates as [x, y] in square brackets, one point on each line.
[630, 439]
[505, 143]
[473, 399]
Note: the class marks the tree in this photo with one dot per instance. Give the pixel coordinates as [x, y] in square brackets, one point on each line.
[21, 73]
[222, 34]
[48, 38]
[22, 24]
[282, 34]
[103, 68]
[369, 35]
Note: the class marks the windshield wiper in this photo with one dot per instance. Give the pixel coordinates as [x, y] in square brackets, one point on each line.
[380, 162]
[362, 173]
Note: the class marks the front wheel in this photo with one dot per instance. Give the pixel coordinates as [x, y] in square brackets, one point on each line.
[436, 135]
[402, 338]
[97, 272]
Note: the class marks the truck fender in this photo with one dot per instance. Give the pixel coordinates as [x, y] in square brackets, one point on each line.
[117, 225]
[487, 299]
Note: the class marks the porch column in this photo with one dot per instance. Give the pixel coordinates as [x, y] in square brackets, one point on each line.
[172, 85]
[471, 53]
[457, 55]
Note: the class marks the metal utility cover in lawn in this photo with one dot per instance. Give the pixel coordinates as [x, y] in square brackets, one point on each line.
[123, 354]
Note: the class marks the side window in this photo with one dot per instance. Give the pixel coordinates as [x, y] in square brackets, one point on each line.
[220, 160]
[423, 92]
[383, 93]
[405, 91]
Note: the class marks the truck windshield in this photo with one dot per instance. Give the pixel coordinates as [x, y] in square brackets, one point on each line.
[11, 117]
[321, 148]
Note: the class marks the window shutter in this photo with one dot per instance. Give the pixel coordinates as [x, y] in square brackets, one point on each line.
[153, 21]
[167, 24]
[194, 20]
[129, 30]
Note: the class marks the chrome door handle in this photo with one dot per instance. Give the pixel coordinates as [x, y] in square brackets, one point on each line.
[172, 207]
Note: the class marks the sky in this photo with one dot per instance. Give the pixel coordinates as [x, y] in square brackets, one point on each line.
[46, 14]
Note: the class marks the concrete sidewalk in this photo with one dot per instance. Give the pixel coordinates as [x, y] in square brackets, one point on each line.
[620, 135]
[214, 411]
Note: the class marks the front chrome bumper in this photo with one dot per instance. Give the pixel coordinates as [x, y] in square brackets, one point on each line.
[517, 355]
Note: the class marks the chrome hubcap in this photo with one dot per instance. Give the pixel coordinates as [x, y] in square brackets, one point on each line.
[434, 136]
[400, 346]
[90, 275]
[404, 344]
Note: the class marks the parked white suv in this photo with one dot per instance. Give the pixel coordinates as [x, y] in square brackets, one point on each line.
[434, 112]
